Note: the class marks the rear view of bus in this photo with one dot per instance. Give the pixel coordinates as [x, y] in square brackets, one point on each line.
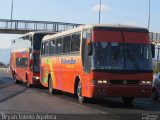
[24, 58]
[119, 62]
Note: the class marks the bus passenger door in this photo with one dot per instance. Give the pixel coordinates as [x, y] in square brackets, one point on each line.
[86, 61]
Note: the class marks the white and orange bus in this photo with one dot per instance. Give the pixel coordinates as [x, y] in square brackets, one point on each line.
[24, 58]
[98, 61]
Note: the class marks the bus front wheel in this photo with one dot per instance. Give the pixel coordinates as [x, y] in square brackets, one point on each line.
[50, 86]
[14, 77]
[81, 98]
[128, 100]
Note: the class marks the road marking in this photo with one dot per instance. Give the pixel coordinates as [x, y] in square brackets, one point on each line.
[102, 112]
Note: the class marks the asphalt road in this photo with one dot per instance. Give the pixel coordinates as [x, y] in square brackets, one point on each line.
[17, 99]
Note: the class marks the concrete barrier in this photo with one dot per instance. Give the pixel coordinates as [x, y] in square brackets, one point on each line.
[5, 70]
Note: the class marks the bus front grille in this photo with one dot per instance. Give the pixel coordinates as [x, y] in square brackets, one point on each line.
[124, 82]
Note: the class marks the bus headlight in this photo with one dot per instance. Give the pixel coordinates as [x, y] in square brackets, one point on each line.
[99, 82]
[146, 82]
[105, 81]
[35, 77]
[102, 82]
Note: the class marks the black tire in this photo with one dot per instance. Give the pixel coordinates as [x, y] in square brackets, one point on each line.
[81, 98]
[155, 96]
[128, 100]
[50, 87]
[28, 84]
[14, 77]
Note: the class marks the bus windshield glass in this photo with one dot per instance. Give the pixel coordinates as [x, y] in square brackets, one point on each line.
[121, 56]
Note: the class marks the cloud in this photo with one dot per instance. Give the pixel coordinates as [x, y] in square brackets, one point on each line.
[104, 8]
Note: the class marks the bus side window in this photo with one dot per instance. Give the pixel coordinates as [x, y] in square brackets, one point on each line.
[59, 46]
[42, 49]
[52, 47]
[67, 44]
[46, 47]
[75, 42]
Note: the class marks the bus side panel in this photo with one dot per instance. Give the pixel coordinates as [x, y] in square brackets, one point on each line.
[52, 71]
[65, 72]
[44, 72]
[75, 71]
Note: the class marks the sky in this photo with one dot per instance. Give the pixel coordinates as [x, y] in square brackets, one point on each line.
[130, 12]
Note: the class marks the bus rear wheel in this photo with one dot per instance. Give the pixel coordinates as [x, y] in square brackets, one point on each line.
[14, 77]
[28, 84]
[128, 100]
[50, 87]
[81, 98]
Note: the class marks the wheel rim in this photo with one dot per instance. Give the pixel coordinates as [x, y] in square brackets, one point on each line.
[79, 93]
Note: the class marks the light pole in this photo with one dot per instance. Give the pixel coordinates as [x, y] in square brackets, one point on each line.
[11, 13]
[149, 16]
[100, 12]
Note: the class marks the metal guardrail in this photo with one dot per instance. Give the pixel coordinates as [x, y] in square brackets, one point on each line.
[155, 37]
[36, 25]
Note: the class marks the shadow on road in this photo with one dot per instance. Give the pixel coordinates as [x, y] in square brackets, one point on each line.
[110, 102]
[12, 95]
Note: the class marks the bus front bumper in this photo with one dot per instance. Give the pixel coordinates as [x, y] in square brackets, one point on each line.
[121, 91]
[35, 80]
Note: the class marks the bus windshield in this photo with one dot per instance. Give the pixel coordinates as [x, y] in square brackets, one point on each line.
[121, 56]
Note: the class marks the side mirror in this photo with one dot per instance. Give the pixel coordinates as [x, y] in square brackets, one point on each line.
[89, 50]
[153, 50]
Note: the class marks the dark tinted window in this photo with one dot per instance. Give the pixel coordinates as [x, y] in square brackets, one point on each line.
[66, 44]
[59, 46]
[75, 42]
[46, 47]
[52, 47]
[21, 62]
[42, 49]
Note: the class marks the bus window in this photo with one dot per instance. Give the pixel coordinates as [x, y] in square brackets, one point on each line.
[42, 49]
[52, 47]
[75, 42]
[59, 46]
[67, 44]
[21, 62]
[46, 47]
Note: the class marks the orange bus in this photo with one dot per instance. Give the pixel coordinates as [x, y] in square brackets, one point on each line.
[24, 58]
[98, 61]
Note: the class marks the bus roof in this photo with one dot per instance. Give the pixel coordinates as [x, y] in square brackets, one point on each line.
[36, 32]
[20, 50]
[78, 29]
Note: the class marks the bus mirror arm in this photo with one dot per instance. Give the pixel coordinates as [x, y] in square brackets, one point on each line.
[89, 50]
